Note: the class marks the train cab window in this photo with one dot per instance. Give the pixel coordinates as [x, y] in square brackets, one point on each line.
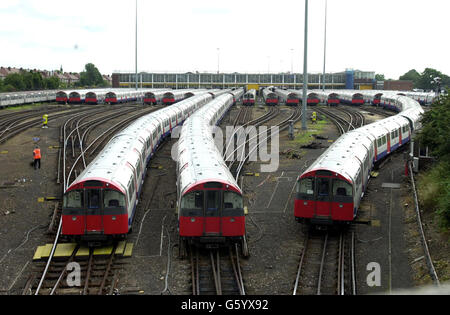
[193, 200]
[232, 200]
[306, 186]
[113, 199]
[212, 199]
[93, 198]
[73, 199]
[323, 186]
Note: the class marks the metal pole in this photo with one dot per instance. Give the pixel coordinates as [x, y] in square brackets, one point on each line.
[218, 60]
[136, 43]
[325, 45]
[292, 60]
[305, 69]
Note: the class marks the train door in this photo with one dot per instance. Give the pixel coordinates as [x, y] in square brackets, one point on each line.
[388, 135]
[94, 212]
[212, 213]
[323, 199]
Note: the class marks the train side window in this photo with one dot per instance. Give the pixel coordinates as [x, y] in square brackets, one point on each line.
[384, 140]
[379, 142]
[193, 200]
[232, 200]
[323, 186]
[306, 186]
[73, 199]
[93, 198]
[113, 199]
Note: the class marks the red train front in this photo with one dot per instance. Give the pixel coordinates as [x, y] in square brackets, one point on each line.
[324, 197]
[212, 213]
[95, 210]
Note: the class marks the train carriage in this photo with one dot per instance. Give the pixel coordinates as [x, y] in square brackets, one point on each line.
[331, 189]
[100, 204]
[270, 97]
[210, 204]
[249, 98]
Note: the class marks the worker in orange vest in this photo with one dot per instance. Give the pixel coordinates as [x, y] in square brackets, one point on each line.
[37, 157]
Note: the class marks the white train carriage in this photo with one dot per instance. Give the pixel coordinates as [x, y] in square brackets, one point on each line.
[330, 190]
[100, 204]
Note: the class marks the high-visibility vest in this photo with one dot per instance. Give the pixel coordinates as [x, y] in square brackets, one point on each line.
[45, 119]
[37, 153]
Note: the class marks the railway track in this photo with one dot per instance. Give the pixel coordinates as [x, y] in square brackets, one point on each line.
[254, 145]
[74, 128]
[353, 119]
[216, 271]
[327, 265]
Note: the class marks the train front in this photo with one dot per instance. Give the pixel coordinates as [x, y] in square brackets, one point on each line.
[324, 197]
[94, 210]
[212, 213]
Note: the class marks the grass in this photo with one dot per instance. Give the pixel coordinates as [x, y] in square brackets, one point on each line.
[306, 137]
[23, 107]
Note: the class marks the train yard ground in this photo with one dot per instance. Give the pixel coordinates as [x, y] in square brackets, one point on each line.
[275, 238]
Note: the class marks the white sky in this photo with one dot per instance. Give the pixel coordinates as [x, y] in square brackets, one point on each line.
[385, 36]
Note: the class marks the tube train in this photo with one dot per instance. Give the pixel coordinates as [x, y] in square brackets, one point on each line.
[289, 98]
[331, 189]
[270, 97]
[101, 203]
[19, 98]
[249, 98]
[210, 203]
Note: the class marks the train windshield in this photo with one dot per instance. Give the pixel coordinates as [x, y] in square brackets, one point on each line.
[306, 186]
[232, 200]
[193, 200]
[73, 199]
[342, 188]
[113, 199]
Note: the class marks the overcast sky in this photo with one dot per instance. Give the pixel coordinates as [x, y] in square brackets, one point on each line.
[385, 36]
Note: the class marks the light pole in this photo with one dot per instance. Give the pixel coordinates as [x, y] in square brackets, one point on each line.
[325, 45]
[136, 44]
[305, 69]
[292, 60]
[218, 60]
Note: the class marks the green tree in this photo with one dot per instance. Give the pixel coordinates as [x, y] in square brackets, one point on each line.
[52, 83]
[435, 134]
[91, 76]
[411, 75]
[15, 80]
[428, 75]
[379, 77]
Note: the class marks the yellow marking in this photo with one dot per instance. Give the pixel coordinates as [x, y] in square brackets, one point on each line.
[38, 253]
[64, 250]
[43, 251]
[128, 250]
[330, 141]
[54, 147]
[376, 223]
[41, 199]
[51, 198]
[103, 251]
[374, 174]
[120, 248]
[4, 152]
[257, 174]
[82, 252]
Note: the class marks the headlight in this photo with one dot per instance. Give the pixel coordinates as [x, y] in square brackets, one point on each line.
[192, 220]
[74, 218]
[114, 218]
